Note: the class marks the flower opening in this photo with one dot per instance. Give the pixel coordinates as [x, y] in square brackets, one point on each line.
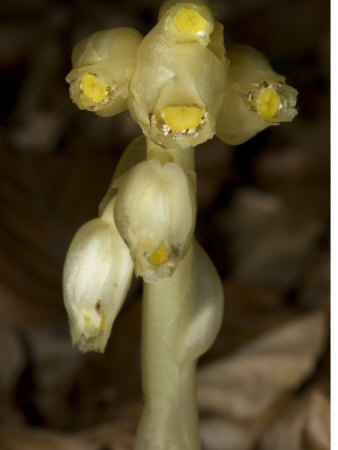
[92, 88]
[190, 21]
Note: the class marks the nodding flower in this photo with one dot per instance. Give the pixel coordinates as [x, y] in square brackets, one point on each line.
[155, 212]
[96, 277]
[102, 66]
[256, 97]
[177, 87]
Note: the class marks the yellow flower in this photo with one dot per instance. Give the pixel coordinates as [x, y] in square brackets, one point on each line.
[102, 65]
[155, 211]
[256, 97]
[177, 89]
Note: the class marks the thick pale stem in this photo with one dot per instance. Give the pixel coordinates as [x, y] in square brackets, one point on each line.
[170, 419]
[170, 414]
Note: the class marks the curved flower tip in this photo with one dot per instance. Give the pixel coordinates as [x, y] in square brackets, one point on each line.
[256, 97]
[102, 65]
[96, 277]
[150, 204]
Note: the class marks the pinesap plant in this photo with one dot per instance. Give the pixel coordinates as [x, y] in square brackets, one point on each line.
[182, 86]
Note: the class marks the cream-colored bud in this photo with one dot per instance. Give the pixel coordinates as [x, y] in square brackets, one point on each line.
[155, 213]
[256, 97]
[177, 89]
[96, 278]
[102, 66]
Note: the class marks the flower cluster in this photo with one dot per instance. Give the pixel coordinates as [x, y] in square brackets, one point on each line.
[179, 82]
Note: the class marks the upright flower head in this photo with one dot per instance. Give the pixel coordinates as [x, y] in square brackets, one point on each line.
[177, 87]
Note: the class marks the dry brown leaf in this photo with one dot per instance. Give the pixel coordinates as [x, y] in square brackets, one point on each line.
[247, 383]
[112, 436]
[304, 425]
[316, 435]
[25, 439]
[268, 243]
[118, 434]
[220, 434]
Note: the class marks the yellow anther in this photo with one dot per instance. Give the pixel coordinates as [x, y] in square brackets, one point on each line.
[182, 117]
[190, 21]
[268, 102]
[103, 320]
[92, 89]
[159, 257]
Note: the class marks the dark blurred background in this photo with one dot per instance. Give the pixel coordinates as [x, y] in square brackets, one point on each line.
[263, 218]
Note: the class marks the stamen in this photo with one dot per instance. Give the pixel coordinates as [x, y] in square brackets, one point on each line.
[190, 21]
[180, 118]
[268, 102]
[159, 257]
[92, 89]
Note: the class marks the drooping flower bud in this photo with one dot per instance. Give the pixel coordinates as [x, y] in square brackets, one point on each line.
[102, 66]
[96, 278]
[155, 213]
[256, 97]
[177, 89]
